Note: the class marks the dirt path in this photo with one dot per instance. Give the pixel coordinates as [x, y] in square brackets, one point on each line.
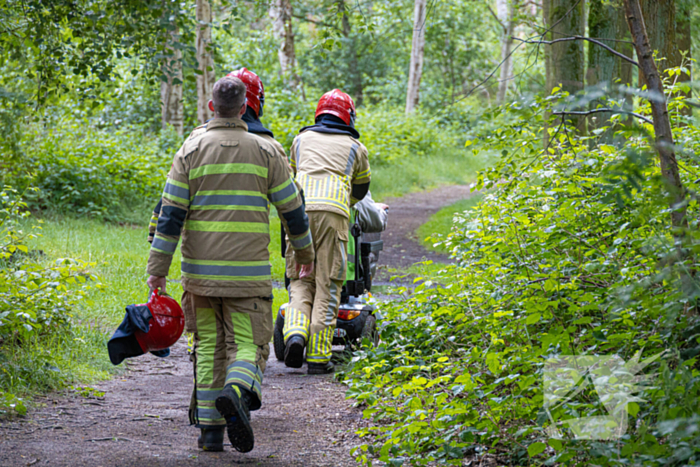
[401, 247]
[142, 418]
[142, 421]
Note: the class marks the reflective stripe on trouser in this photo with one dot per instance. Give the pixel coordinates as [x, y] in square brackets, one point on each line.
[231, 346]
[314, 301]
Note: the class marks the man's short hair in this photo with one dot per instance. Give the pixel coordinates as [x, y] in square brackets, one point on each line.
[228, 96]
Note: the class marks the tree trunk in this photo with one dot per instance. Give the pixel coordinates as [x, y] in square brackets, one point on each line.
[281, 14]
[506, 15]
[172, 112]
[660, 21]
[607, 21]
[659, 110]
[566, 18]
[355, 71]
[207, 76]
[684, 12]
[415, 70]
[548, 72]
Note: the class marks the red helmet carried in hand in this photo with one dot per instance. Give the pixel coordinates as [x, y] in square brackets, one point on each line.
[337, 103]
[255, 93]
[165, 326]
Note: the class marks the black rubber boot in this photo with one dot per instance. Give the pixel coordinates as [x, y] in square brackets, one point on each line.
[321, 368]
[233, 404]
[294, 352]
[211, 439]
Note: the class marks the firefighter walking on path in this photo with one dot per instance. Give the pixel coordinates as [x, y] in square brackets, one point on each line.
[216, 197]
[332, 167]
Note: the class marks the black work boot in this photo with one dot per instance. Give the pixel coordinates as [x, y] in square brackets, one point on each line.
[211, 439]
[233, 404]
[294, 352]
[321, 368]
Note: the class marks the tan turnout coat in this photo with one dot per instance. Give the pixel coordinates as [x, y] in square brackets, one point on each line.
[217, 197]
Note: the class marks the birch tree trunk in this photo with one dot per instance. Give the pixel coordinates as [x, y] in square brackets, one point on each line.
[172, 112]
[351, 54]
[415, 70]
[281, 14]
[207, 77]
[506, 15]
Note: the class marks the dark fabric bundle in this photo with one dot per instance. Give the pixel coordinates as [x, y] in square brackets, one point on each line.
[123, 343]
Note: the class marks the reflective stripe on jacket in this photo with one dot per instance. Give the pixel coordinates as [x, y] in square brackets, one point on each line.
[216, 197]
[327, 166]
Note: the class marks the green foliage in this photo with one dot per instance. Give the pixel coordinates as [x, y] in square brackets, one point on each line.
[433, 232]
[570, 255]
[37, 297]
[92, 172]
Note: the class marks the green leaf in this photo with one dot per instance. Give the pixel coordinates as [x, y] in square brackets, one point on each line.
[533, 318]
[536, 448]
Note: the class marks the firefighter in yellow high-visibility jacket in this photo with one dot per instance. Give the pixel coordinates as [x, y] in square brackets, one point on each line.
[332, 167]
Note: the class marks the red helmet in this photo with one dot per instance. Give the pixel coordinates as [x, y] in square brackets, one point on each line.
[337, 103]
[255, 93]
[165, 326]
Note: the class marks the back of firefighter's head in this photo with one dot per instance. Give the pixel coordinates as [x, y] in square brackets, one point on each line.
[338, 104]
[228, 98]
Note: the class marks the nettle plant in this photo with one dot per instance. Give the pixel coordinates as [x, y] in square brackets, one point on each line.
[570, 253]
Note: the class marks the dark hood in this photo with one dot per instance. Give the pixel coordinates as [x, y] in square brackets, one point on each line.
[326, 123]
[254, 125]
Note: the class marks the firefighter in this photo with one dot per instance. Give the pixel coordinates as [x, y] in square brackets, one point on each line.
[255, 101]
[227, 296]
[332, 167]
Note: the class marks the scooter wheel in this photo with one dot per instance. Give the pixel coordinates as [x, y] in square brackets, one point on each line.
[278, 338]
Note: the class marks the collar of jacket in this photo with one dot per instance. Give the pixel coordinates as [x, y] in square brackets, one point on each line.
[332, 125]
[254, 124]
[226, 123]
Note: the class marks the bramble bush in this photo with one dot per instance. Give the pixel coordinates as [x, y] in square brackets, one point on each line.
[36, 298]
[571, 254]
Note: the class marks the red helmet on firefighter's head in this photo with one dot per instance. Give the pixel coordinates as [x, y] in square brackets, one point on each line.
[255, 93]
[165, 326]
[337, 103]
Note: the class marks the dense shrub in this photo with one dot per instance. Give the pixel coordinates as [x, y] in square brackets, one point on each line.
[571, 256]
[36, 297]
[389, 134]
[78, 169]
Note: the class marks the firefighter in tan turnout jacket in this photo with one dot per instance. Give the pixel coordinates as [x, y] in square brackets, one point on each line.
[332, 167]
[216, 197]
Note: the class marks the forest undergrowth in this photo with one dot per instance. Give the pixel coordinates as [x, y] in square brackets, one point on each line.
[569, 253]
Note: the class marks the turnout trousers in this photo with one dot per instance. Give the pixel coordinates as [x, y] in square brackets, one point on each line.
[229, 345]
[314, 301]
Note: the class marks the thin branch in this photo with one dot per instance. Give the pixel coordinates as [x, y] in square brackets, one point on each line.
[595, 111]
[471, 91]
[580, 38]
[319, 23]
[493, 13]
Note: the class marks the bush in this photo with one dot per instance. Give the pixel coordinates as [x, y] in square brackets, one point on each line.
[92, 172]
[571, 256]
[389, 134]
[36, 299]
